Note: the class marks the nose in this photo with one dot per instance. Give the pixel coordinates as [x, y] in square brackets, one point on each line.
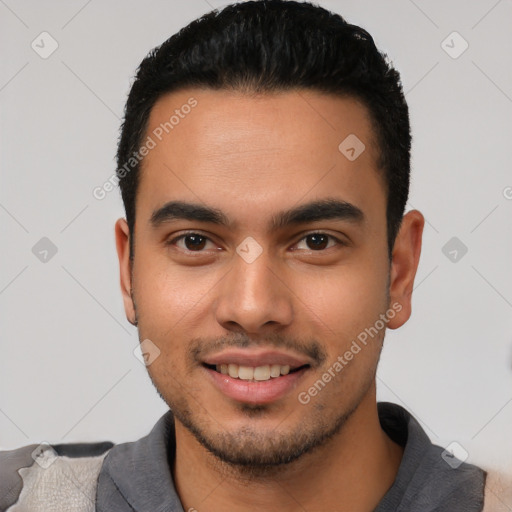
[253, 297]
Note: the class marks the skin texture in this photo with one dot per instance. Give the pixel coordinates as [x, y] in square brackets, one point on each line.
[252, 156]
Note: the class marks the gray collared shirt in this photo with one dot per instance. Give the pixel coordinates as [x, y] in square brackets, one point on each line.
[137, 476]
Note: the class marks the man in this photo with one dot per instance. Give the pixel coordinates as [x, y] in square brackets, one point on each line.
[264, 167]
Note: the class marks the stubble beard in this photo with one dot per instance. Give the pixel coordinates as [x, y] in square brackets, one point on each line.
[248, 453]
[251, 454]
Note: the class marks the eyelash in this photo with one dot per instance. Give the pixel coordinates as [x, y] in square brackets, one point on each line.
[189, 233]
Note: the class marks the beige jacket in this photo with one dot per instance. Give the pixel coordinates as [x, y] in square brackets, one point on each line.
[498, 492]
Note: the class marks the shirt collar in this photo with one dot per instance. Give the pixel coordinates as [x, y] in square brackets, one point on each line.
[141, 470]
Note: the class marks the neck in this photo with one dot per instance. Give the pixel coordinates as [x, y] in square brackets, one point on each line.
[353, 471]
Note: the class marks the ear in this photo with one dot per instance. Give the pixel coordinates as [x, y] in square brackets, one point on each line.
[125, 272]
[404, 263]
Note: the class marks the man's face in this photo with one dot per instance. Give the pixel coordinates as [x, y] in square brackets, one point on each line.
[255, 293]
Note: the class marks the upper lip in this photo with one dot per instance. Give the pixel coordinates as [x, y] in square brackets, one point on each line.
[254, 358]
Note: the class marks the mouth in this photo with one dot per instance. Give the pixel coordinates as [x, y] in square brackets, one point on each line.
[254, 373]
[256, 376]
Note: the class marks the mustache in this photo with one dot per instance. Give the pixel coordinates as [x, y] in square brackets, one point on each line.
[200, 347]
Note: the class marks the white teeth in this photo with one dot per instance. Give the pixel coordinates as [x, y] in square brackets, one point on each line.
[233, 370]
[261, 373]
[245, 372]
[275, 370]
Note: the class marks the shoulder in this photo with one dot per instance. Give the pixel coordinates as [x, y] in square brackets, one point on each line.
[443, 482]
[430, 477]
[34, 475]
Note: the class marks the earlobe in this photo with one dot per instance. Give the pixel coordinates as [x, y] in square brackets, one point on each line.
[404, 264]
[122, 234]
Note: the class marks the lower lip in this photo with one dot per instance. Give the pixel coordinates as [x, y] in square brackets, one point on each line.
[256, 392]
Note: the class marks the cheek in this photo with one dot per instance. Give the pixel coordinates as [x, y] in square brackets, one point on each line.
[346, 311]
[172, 305]
[167, 294]
[345, 300]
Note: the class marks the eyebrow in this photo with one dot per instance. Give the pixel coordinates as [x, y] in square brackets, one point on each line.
[324, 209]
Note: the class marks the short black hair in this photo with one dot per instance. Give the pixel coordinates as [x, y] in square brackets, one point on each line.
[274, 46]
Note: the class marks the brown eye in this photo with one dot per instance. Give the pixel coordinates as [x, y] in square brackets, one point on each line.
[192, 242]
[319, 241]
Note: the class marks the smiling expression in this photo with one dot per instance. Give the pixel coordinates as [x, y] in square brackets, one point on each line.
[260, 255]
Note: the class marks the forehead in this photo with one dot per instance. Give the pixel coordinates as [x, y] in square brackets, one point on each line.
[247, 154]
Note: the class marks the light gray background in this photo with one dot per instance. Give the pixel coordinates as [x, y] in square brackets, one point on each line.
[67, 366]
